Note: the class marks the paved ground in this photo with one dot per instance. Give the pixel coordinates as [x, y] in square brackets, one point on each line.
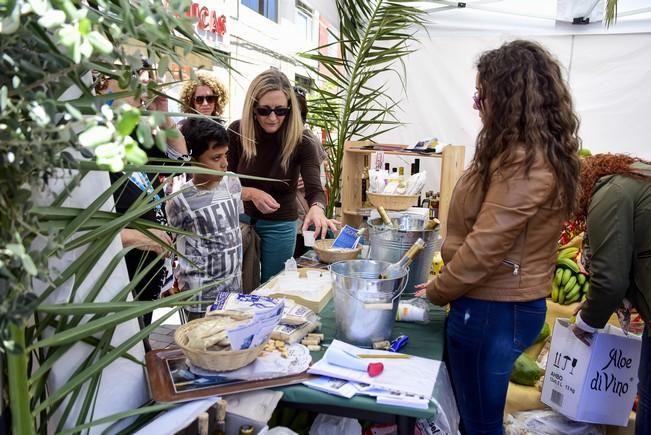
[164, 336]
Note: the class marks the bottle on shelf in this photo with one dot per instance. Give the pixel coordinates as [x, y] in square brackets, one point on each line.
[396, 269]
[434, 205]
[365, 182]
[415, 169]
[425, 202]
[402, 181]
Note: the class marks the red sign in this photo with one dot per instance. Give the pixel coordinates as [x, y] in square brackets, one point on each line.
[208, 19]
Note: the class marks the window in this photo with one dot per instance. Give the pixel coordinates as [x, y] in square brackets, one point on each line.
[268, 8]
[304, 20]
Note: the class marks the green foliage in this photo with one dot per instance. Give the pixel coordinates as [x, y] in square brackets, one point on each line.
[610, 15]
[351, 102]
[55, 130]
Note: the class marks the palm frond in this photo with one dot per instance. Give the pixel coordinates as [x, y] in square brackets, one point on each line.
[374, 37]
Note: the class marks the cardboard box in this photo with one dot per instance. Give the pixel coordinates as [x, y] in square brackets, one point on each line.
[594, 384]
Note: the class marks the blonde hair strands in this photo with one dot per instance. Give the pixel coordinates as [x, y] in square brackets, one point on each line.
[291, 129]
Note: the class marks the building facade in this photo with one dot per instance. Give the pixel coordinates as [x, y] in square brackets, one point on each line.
[254, 35]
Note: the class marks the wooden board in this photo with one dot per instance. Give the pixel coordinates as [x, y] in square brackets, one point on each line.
[163, 389]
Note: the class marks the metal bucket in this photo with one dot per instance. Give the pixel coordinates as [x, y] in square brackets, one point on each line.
[365, 306]
[390, 244]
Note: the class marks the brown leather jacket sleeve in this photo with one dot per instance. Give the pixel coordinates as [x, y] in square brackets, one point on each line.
[511, 200]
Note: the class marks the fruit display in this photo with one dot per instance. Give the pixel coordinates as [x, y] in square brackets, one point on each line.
[526, 371]
[570, 284]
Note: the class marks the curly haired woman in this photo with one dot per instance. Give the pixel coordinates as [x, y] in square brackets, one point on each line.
[205, 95]
[615, 203]
[503, 225]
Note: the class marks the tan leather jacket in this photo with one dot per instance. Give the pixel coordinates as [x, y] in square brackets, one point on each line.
[501, 246]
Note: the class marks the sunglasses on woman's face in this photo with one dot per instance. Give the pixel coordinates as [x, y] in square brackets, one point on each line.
[200, 99]
[476, 100]
[266, 110]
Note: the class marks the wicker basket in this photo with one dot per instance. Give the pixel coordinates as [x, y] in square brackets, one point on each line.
[219, 361]
[327, 254]
[391, 202]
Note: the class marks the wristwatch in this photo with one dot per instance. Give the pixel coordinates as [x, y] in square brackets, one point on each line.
[319, 204]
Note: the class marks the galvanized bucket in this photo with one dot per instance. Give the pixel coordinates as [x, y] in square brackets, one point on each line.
[365, 306]
[390, 244]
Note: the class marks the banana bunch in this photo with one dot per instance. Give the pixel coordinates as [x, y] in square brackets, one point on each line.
[569, 284]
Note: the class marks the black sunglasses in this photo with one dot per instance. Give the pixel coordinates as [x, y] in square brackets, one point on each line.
[266, 110]
[300, 91]
[199, 99]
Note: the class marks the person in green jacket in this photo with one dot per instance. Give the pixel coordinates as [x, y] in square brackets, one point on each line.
[616, 206]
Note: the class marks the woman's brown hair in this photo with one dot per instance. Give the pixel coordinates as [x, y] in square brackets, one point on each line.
[601, 165]
[526, 102]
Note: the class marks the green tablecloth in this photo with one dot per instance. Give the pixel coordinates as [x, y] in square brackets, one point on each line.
[425, 340]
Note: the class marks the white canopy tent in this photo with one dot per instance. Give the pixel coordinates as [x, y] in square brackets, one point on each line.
[608, 70]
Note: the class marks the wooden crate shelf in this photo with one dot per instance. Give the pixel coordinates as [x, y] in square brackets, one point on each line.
[452, 159]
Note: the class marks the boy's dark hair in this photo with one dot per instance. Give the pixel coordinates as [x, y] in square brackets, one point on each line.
[302, 101]
[200, 133]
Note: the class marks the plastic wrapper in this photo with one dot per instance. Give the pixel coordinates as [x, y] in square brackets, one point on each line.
[293, 333]
[547, 422]
[297, 314]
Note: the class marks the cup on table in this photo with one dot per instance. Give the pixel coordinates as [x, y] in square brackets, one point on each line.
[308, 238]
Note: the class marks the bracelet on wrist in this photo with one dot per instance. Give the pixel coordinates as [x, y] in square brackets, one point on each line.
[319, 204]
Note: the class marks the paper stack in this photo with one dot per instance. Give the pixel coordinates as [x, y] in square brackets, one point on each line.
[404, 382]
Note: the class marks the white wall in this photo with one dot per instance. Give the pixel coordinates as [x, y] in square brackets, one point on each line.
[608, 77]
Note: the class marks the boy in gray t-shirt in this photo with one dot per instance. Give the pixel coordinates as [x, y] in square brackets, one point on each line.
[208, 206]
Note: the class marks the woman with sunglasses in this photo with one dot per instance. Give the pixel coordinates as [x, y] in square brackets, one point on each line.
[504, 221]
[269, 142]
[205, 95]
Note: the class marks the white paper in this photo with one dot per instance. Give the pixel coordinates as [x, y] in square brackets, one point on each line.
[337, 387]
[414, 375]
[177, 418]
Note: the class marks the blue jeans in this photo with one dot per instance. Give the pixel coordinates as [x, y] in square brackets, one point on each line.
[277, 242]
[643, 417]
[483, 340]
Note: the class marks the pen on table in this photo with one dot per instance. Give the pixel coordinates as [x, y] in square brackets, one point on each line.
[378, 356]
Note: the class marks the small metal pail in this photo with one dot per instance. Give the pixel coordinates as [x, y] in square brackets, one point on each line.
[365, 306]
[389, 244]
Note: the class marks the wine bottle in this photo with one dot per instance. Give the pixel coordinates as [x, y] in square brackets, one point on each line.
[431, 224]
[365, 182]
[396, 269]
[385, 217]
